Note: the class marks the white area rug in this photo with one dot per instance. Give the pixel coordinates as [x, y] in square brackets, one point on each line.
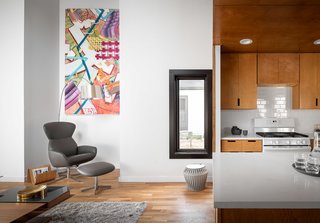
[102, 212]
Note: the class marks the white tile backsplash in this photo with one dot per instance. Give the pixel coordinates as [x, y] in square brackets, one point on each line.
[305, 119]
[271, 102]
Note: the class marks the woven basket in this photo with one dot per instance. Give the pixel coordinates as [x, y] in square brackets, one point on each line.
[196, 176]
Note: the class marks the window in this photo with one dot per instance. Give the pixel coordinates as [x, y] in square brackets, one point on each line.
[190, 114]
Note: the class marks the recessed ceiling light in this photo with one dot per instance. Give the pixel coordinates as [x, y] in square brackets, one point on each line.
[246, 41]
[316, 42]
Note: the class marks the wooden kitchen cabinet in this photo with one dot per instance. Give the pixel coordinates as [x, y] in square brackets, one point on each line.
[241, 146]
[229, 81]
[289, 69]
[308, 95]
[251, 145]
[278, 69]
[239, 81]
[267, 69]
[231, 146]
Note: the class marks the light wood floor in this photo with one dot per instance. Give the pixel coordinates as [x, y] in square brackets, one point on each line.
[166, 202]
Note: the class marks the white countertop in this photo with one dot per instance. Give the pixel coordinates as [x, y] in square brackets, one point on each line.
[262, 180]
[241, 137]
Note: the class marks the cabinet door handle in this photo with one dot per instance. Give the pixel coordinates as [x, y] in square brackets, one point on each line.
[231, 140]
[316, 101]
[251, 140]
[238, 101]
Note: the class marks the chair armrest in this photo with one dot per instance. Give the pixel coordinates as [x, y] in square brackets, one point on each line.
[58, 159]
[87, 149]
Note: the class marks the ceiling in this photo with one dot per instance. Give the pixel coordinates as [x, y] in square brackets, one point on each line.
[273, 25]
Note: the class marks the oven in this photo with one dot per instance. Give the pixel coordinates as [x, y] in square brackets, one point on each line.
[279, 135]
[268, 148]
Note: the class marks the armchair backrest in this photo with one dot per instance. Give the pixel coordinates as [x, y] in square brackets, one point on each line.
[60, 137]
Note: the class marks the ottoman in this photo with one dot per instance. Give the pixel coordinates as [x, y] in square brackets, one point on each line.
[196, 176]
[95, 170]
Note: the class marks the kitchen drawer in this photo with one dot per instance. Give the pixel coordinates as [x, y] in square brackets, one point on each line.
[251, 145]
[231, 145]
[241, 145]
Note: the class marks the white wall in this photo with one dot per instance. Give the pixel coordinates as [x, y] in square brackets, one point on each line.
[156, 36]
[11, 91]
[41, 84]
[101, 131]
[217, 80]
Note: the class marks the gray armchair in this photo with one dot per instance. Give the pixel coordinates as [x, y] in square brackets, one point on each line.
[63, 150]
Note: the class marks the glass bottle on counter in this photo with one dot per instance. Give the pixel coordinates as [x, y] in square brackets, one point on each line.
[316, 145]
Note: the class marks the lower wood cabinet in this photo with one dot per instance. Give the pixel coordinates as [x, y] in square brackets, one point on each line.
[251, 145]
[241, 145]
[270, 215]
[231, 146]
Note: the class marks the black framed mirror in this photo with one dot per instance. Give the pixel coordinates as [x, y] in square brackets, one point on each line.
[190, 114]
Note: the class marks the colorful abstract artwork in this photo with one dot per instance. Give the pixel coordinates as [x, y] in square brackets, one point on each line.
[92, 61]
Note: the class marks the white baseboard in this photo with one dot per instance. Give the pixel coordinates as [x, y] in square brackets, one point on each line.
[11, 179]
[155, 179]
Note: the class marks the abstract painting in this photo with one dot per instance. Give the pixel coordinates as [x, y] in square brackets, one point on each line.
[92, 81]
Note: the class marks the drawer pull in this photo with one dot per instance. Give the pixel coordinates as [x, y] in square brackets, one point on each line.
[252, 140]
[231, 140]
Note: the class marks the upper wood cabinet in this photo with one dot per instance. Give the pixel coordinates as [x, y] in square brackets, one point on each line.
[278, 69]
[309, 90]
[239, 81]
[229, 80]
[268, 68]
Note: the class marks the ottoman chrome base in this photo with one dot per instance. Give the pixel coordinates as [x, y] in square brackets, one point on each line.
[95, 170]
[96, 186]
